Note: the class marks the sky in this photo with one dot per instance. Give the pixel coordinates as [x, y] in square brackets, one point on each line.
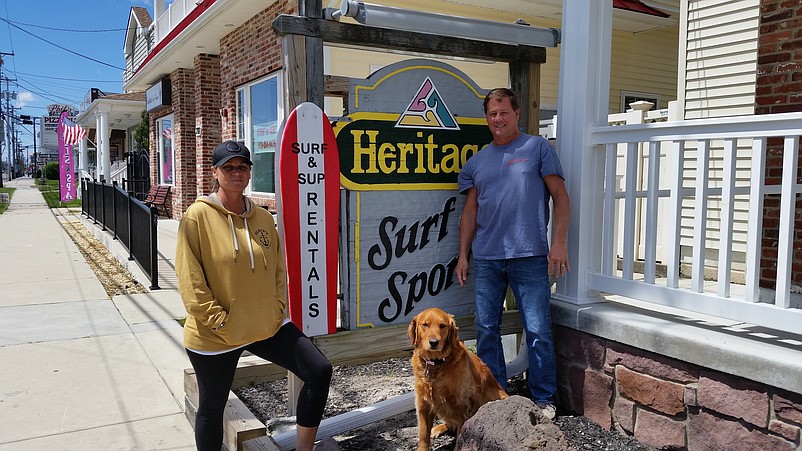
[85, 50]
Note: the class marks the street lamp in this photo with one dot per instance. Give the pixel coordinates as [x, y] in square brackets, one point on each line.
[31, 120]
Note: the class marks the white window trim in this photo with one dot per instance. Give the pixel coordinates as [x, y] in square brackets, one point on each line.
[246, 114]
[160, 148]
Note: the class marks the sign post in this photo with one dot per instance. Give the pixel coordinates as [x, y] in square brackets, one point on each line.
[309, 178]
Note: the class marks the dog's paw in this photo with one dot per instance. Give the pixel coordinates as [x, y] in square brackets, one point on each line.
[439, 430]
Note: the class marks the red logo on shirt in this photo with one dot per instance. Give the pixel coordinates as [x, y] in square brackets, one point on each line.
[517, 161]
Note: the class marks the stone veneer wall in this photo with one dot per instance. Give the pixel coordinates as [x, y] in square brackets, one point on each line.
[670, 404]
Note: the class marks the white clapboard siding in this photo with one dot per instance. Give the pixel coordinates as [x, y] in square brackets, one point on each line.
[720, 70]
[644, 62]
[720, 59]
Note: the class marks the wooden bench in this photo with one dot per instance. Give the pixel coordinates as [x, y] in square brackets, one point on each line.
[157, 197]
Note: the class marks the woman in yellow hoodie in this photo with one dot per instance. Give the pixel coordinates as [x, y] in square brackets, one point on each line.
[232, 280]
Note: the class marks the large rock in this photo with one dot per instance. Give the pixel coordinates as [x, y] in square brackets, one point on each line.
[515, 423]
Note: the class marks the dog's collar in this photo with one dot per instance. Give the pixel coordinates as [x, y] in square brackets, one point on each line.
[430, 364]
[434, 362]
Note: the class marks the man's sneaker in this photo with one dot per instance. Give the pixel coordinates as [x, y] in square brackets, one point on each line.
[548, 410]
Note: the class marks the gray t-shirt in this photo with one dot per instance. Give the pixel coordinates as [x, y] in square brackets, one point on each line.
[513, 214]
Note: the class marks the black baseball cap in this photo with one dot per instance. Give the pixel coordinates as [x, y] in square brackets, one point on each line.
[228, 150]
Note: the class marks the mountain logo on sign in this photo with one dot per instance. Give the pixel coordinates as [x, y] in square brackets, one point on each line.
[427, 110]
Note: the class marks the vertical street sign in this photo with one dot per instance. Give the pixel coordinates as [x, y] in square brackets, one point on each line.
[309, 180]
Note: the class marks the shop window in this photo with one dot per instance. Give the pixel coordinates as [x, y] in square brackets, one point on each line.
[259, 109]
[166, 154]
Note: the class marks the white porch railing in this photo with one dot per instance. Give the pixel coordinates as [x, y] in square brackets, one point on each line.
[170, 18]
[119, 171]
[719, 297]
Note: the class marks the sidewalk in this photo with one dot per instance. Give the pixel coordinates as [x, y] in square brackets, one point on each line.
[82, 371]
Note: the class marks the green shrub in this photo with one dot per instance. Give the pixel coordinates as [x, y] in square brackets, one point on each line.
[38, 174]
[51, 170]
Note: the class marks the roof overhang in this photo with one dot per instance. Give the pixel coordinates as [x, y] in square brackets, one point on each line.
[195, 34]
[623, 20]
[123, 114]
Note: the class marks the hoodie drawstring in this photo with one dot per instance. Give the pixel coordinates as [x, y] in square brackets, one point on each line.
[234, 236]
[250, 244]
[236, 243]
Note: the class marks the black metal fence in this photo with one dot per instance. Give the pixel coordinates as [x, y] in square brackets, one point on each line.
[128, 220]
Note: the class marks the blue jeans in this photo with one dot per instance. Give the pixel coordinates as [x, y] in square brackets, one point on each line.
[529, 279]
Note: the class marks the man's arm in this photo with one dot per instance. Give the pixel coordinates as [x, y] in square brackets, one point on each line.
[467, 229]
[558, 254]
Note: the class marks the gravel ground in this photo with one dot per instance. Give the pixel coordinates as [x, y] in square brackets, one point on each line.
[116, 280]
[361, 385]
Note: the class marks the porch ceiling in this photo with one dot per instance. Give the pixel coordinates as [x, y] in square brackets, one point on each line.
[123, 114]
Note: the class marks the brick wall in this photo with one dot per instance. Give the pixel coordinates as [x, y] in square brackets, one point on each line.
[670, 404]
[250, 52]
[186, 177]
[204, 97]
[778, 90]
[207, 119]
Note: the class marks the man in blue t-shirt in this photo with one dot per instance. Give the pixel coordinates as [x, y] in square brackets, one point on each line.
[504, 223]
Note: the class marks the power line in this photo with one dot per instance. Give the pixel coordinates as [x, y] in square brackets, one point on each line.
[44, 84]
[67, 79]
[41, 93]
[61, 47]
[70, 30]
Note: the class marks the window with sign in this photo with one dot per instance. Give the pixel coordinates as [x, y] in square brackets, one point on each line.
[259, 109]
[165, 148]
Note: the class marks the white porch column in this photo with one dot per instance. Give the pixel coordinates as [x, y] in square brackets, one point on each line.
[582, 103]
[103, 141]
[98, 155]
[84, 157]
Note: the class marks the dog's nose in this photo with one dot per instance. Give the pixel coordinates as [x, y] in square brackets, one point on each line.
[434, 343]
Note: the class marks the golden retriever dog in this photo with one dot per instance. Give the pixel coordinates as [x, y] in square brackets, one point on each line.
[451, 382]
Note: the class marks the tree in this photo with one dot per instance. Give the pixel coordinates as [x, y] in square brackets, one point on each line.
[142, 133]
[51, 171]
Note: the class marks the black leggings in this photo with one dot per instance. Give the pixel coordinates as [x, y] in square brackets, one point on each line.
[290, 349]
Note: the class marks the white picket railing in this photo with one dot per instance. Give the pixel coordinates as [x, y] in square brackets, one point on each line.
[169, 19]
[119, 171]
[719, 296]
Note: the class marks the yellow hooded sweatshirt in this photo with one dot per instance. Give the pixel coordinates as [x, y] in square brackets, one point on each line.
[231, 275]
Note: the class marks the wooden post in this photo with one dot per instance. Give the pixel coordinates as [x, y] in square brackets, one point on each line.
[525, 81]
[314, 53]
[303, 63]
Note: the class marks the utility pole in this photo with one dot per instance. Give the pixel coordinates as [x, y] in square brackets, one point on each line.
[9, 130]
[6, 121]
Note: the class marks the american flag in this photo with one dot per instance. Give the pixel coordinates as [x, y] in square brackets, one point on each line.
[73, 133]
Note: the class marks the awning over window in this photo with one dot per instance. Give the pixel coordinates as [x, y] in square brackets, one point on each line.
[638, 7]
